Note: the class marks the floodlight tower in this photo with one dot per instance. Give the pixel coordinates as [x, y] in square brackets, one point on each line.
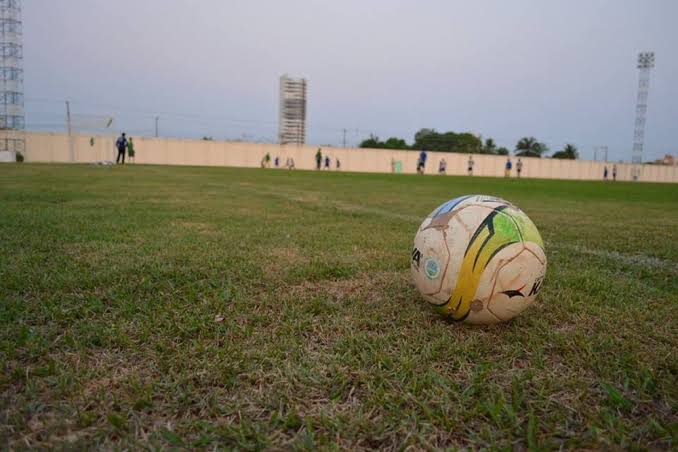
[645, 63]
[11, 78]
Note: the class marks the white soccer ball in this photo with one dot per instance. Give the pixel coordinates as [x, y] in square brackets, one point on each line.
[478, 259]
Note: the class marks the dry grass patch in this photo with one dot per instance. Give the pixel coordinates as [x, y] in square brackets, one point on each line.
[369, 287]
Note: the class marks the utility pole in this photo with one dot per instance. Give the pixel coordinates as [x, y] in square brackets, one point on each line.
[70, 131]
[156, 126]
[343, 141]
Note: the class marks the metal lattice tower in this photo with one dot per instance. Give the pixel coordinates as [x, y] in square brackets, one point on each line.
[12, 119]
[645, 63]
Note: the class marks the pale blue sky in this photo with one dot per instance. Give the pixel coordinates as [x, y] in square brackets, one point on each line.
[562, 71]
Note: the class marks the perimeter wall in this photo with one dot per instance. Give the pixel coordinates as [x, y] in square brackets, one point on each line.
[54, 147]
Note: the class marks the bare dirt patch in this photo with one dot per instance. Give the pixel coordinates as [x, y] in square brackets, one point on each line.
[369, 286]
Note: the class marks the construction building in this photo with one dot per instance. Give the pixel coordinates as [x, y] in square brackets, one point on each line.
[292, 114]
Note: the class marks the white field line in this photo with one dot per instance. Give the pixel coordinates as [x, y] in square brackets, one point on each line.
[315, 200]
[639, 260]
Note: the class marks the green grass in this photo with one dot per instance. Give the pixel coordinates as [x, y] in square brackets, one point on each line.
[163, 307]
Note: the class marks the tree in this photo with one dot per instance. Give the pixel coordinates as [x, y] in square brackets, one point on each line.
[395, 143]
[502, 151]
[469, 142]
[569, 152]
[490, 147]
[372, 142]
[431, 140]
[530, 147]
[391, 143]
[422, 133]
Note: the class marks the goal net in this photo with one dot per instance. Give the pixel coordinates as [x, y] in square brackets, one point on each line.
[92, 125]
[98, 132]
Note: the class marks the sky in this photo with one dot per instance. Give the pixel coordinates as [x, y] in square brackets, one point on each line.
[561, 71]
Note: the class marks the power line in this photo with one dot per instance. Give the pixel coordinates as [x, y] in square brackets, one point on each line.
[155, 113]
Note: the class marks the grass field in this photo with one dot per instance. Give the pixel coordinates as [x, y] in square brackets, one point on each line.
[148, 306]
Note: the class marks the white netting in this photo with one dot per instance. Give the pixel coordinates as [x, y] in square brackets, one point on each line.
[93, 138]
[92, 124]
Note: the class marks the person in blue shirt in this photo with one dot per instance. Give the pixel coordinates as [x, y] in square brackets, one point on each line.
[421, 163]
[121, 145]
[507, 168]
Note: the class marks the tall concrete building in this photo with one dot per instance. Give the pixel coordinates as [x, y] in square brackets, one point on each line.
[292, 114]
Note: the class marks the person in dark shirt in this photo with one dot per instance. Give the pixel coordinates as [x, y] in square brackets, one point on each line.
[421, 163]
[121, 145]
[318, 159]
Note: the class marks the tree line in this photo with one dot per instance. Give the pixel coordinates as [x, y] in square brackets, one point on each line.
[465, 142]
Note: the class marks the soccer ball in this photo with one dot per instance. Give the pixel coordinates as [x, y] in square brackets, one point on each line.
[478, 259]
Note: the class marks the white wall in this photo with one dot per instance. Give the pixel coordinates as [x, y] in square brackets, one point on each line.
[53, 147]
[7, 156]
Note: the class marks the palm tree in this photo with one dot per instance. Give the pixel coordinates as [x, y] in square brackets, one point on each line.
[530, 147]
[490, 147]
[569, 152]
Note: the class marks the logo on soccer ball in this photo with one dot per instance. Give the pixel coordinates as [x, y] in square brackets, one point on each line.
[416, 257]
[432, 268]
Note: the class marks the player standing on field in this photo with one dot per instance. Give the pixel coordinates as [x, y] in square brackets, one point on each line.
[130, 150]
[121, 145]
[318, 159]
[421, 163]
[519, 167]
[470, 165]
